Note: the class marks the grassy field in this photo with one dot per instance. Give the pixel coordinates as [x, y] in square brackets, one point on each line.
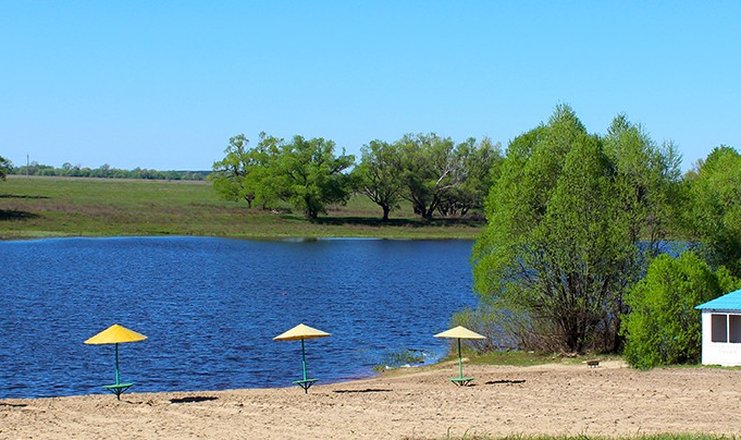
[60, 207]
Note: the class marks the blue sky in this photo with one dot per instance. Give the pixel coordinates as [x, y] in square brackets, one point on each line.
[163, 85]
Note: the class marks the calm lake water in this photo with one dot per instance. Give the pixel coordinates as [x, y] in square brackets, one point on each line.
[211, 307]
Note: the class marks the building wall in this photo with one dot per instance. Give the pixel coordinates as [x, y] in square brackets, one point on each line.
[718, 353]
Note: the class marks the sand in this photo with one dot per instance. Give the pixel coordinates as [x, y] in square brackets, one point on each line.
[551, 399]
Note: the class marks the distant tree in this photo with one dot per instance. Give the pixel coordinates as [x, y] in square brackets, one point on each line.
[103, 171]
[106, 171]
[476, 163]
[247, 173]
[263, 180]
[561, 247]
[715, 208]
[379, 175]
[430, 170]
[305, 173]
[5, 167]
[662, 327]
[229, 174]
[308, 175]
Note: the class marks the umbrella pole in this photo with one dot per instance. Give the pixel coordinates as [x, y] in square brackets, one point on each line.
[117, 374]
[303, 358]
[460, 360]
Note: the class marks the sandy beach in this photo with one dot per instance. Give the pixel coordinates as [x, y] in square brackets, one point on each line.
[419, 404]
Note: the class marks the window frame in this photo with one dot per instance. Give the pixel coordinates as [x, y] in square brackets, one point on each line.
[728, 336]
[715, 332]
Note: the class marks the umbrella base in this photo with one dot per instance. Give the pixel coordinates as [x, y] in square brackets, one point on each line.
[305, 384]
[118, 388]
[462, 381]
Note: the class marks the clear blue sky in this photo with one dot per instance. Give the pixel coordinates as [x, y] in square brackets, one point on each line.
[163, 85]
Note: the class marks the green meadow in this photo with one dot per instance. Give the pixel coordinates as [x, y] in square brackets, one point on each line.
[38, 207]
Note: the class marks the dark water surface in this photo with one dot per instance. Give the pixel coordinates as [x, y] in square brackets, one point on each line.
[211, 307]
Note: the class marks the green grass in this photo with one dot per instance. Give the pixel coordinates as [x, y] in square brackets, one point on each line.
[524, 358]
[516, 358]
[59, 207]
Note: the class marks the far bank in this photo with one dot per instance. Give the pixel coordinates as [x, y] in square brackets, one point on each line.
[61, 207]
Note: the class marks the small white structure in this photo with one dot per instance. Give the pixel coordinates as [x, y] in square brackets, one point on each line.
[721, 330]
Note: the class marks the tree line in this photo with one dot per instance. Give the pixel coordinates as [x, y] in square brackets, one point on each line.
[573, 258]
[435, 174]
[104, 171]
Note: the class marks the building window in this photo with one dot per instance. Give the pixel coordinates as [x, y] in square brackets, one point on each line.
[734, 328]
[719, 324]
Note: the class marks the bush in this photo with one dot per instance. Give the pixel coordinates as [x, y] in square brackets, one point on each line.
[662, 326]
[487, 321]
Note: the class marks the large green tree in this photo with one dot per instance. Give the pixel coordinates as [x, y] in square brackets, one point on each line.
[430, 170]
[307, 174]
[443, 177]
[229, 174]
[565, 218]
[715, 208]
[246, 173]
[477, 163]
[663, 327]
[379, 175]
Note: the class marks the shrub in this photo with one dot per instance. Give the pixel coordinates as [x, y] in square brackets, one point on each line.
[662, 326]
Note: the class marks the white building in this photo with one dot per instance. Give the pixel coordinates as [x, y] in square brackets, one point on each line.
[721, 330]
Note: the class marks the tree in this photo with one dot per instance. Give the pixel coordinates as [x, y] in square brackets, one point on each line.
[561, 245]
[379, 175]
[430, 170]
[476, 163]
[647, 179]
[5, 168]
[662, 327]
[309, 176]
[303, 172]
[648, 193]
[229, 174]
[244, 173]
[715, 214]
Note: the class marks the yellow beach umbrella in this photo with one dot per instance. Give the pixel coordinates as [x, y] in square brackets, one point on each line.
[301, 332]
[116, 334]
[459, 333]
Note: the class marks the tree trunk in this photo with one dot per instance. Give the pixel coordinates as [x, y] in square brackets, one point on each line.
[428, 213]
[386, 210]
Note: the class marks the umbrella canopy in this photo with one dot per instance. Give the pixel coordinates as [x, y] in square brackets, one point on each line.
[116, 334]
[460, 332]
[299, 332]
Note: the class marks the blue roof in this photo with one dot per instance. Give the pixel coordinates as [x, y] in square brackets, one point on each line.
[729, 301]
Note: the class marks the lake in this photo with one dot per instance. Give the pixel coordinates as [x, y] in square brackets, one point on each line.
[211, 307]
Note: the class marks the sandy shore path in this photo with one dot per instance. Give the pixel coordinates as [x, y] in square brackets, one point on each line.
[549, 399]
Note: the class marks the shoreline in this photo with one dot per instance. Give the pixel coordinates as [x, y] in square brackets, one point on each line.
[554, 399]
[290, 239]
[372, 375]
